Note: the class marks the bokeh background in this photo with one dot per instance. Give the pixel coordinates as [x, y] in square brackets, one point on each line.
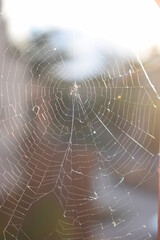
[130, 27]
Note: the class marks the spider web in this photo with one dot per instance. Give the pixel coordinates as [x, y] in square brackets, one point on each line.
[68, 148]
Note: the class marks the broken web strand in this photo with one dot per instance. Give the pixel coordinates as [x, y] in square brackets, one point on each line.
[32, 159]
[106, 152]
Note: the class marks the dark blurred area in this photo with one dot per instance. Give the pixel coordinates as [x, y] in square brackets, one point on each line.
[53, 167]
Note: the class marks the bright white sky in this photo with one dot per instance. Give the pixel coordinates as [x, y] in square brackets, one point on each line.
[130, 23]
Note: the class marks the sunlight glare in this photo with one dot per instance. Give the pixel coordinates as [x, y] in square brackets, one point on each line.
[130, 24]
